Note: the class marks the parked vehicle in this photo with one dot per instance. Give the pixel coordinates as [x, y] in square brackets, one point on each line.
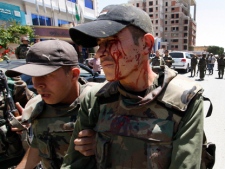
[182, 60]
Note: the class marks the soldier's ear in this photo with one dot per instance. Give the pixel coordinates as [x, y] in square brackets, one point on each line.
[149, 42]
[76, 73]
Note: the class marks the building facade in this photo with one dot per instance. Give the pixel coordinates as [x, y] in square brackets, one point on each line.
[172, 21]
[50, 18]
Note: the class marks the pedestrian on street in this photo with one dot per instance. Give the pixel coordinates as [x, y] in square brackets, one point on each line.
[211, 62]
[133, 113]
[221, 65]
[167, 59]
[202, 67]
[53, 65]
[157, 63]
[194, 62]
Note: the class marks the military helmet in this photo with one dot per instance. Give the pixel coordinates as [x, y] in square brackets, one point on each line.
[24, 38]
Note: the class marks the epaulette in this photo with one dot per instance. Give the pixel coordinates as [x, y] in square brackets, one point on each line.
[179, 92]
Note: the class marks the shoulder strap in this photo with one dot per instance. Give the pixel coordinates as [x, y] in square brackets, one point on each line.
[209, 113]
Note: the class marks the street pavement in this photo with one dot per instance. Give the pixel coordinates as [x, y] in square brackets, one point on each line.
[214, 126]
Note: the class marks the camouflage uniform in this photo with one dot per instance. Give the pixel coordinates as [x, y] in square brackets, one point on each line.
[52, 128]
[12, 145]
[21, 51]
[136, 132]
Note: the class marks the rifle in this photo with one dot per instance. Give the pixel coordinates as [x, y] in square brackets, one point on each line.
[11, 148]
[10, 110]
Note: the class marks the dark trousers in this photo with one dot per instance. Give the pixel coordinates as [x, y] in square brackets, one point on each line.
[221, 70]
[202, 72]
[193, 70]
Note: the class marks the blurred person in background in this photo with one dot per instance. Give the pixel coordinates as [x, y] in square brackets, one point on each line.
[194, 62]
[221, 65]
[168, 59]
[22, 49]
[95, 64]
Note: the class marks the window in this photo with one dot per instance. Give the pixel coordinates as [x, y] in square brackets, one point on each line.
[137, 4]
[177, 21]
[156, 21]
[156, 27]
[172, 15]
[156, 2]
[156, 8]
[89, 4]
[166, 3]
[165, 28]
[185, 47]
[150, 9]
[172, 22]
[177, 15]
[185, 40]
[62, 22]
[151, 15]
[165, 16]
[165, 22]
[41, 20]
[172, 9]
[156, 34]
[74, 1]
[150, 3]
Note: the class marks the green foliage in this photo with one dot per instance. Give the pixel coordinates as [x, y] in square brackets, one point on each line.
[215, 50]
[12, 33]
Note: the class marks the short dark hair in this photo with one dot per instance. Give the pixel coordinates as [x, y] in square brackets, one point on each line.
[136, 33]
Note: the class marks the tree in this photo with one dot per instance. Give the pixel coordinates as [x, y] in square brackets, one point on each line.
[12, 33]
[216, 50]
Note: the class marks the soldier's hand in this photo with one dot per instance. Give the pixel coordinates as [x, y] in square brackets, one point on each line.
[20, 111]
[85, 143]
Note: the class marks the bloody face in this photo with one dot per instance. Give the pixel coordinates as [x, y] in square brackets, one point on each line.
[120, 56]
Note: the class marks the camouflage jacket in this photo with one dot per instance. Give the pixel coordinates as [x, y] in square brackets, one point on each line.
[52, 128]
[11, 144]
[21, 51]
[163, 129]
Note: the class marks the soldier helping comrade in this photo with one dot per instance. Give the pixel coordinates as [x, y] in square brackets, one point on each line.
[54, 68]
[141, 119]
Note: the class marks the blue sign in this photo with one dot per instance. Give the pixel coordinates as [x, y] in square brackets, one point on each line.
[10, 12]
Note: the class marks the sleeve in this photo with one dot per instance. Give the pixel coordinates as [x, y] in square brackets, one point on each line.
[187, 144]
[17, 51]
[86, 119]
